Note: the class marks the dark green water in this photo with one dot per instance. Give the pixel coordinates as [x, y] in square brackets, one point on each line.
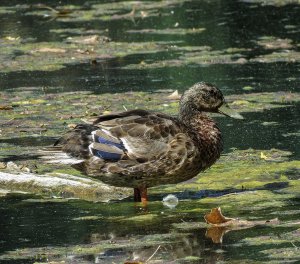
[229, 24]
[27, 223]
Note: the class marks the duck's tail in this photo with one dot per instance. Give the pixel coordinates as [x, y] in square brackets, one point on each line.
[72, 148]
[56, 156]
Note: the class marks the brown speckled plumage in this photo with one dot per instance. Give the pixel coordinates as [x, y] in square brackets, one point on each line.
[158, 149]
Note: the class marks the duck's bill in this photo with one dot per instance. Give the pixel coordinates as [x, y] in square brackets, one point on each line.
[227, 111]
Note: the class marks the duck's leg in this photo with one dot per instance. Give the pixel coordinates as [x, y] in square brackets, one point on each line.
[140, 194]
[137, 195]
[144, 196]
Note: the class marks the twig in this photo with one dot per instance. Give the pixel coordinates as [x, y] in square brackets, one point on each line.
[153, 254]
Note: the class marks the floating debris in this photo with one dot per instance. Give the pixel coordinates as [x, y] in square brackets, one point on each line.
[170, 201]
[2, 165]
[174, 96]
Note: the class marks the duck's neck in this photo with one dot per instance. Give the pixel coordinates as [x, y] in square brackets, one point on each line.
[204, 132]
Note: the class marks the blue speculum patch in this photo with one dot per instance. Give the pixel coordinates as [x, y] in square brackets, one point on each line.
[107, 155]
[108, 142]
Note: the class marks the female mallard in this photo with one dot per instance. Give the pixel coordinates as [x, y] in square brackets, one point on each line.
[141, 149]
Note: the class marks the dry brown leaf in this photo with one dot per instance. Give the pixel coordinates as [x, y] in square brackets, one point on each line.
[215, 217]
[221, 224]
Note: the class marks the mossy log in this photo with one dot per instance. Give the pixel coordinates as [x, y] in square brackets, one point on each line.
[60, 185]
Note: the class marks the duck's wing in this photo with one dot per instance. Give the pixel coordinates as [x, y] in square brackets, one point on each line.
[133, 135]
[140, 134]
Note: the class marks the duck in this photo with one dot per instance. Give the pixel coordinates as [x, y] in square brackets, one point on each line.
[141, 149]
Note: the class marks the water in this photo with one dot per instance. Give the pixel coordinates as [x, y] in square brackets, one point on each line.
[51, 228]
[34, 230]
[227, 25]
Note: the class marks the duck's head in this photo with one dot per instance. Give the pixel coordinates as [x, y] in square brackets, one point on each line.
[205, 97]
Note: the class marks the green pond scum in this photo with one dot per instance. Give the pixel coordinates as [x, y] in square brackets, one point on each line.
[65, 63]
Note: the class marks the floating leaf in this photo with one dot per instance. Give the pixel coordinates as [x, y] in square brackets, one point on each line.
[221, 224]
[216, 217]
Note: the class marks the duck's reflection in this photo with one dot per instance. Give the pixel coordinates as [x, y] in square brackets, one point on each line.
[164, 248]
